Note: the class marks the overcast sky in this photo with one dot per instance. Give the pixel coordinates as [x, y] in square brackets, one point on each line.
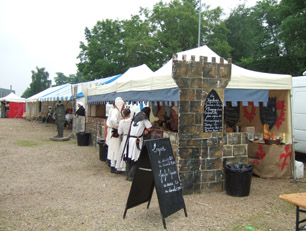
[47, 33]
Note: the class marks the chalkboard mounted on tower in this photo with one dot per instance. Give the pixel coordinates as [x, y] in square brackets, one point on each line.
[157, 168]
[213, 113]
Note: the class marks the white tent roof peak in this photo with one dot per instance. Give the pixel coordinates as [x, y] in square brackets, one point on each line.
[13, 98]
[241, 78]
[135, 73]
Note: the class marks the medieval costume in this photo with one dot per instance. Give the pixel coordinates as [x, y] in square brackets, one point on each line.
[139, 124]
[123, 130]
[112, 139]
[80, 118]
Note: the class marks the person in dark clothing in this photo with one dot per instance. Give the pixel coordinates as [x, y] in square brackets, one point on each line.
[80, 118]
[140, 126]
[81, 110]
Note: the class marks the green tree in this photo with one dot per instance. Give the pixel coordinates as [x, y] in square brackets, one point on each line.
[39, 82]
[293, 26]
[26, 93]
[76, 78]
[139, 44]
[246, 34]
[267, 13]
[152, 38]
[216, 33]
[175, 26]
[102, 55]
[60, 79]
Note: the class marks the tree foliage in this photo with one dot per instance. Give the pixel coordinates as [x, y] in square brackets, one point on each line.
[293, 26]
[40, 82]
[102, 55]
[269, 37]
[60, 79]
[152, 38]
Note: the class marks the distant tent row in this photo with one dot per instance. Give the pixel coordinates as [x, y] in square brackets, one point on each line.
[140, 84]
[16, 105]
[39, 101]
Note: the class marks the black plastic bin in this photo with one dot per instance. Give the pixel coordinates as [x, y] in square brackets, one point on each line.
[83, 138]
[238, 179]
[102, 150]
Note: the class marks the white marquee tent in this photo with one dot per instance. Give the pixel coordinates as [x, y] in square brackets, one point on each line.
[160, 86]
[13, 98]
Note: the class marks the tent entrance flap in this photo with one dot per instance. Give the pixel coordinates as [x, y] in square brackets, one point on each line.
[245, 96]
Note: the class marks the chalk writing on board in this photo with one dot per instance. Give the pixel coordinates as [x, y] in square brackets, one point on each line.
[159, 150]
[166, 162]
[167, 173]
[168, 182]
[213, 110]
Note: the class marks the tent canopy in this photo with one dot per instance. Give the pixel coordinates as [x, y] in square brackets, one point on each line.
[162, 83]
[63, 93]
[13, 98]
[34, 98]
[131, 79]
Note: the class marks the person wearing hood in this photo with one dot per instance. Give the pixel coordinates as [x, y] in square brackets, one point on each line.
[123, 130]
[80, 118]
[112, 138]
[140, 126]
[81, 110]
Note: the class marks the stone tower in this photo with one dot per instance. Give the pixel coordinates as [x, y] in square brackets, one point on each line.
[201, 86]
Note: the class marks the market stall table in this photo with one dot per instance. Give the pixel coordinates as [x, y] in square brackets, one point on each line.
[298, 200]
[271, 161]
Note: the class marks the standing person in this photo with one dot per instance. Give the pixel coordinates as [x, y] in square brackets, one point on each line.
[80, 118]
[123, 130]
[140, 126]
[112, 139]
[49, 114]
[60, 119]
[3, 113]
[172, 123]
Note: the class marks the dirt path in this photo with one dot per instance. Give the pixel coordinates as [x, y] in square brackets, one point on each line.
[48, 185]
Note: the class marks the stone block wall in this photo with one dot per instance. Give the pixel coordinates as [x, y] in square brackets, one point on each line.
[96, 127]
[173, 136]
[235, 148]
[200, 153]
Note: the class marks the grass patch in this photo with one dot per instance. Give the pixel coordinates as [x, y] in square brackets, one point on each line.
[27, 143]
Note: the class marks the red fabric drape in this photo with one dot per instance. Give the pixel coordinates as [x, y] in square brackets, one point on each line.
[16, 110]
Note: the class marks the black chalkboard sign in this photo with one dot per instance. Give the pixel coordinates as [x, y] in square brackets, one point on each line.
[231, 114]
[157, 168]
[213, 112]
[268, 113]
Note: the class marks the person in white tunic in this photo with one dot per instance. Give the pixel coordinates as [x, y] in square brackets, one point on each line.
[112, 139]
[123, 130]
[140, 126]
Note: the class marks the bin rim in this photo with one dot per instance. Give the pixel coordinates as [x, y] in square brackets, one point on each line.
[239, 168]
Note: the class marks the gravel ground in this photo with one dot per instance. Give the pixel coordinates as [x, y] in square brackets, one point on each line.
[49, 185]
